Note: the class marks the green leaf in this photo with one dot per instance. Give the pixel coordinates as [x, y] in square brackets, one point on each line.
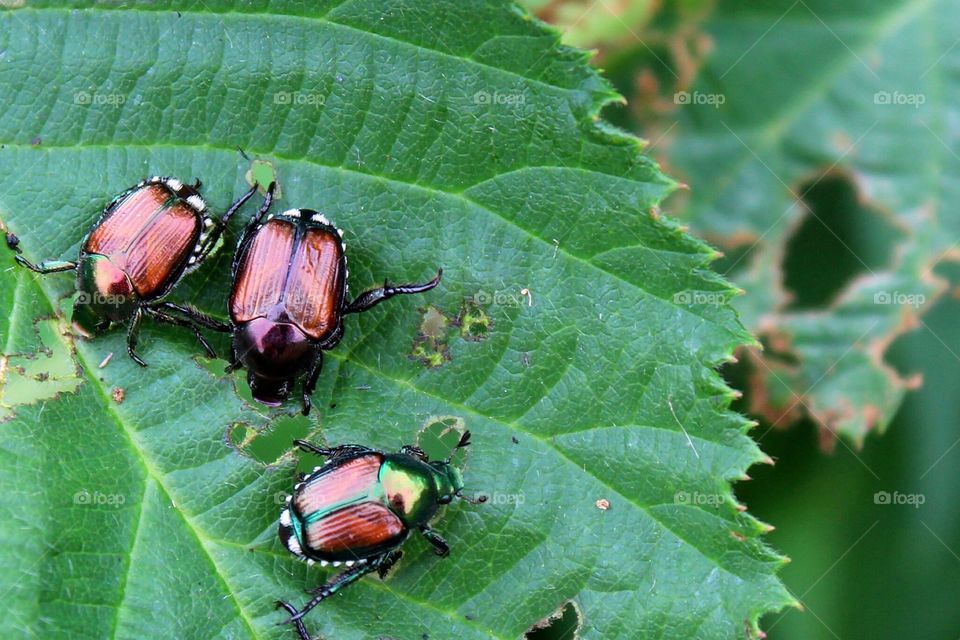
[795, 96]
[454, 134]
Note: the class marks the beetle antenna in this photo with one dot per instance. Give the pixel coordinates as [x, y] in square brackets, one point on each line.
[464, 442]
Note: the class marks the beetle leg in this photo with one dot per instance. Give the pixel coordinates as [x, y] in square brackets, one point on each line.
[346, 578]
[254, 221]
[372, 298]
[310, 382]
[221, 224]
[47, 266]
[133, 335]
[197, 316]
[225, 218]
[413, 450]
[344, 449]
[180, 322]
[234, 363]
[301, 630]
[389, 560]
[440, 546]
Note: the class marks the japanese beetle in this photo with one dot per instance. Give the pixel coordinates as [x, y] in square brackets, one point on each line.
[289, 297]
[145, 240]
[360, 507]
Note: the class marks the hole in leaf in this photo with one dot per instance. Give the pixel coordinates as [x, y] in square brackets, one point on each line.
[840, 238]
[564, 624]
[240, 434]
[434, 324]
[262, 173]
[30, 378]
[268, 445]
[213, 366]
[430, 347]
[474, 322]
[439, 435]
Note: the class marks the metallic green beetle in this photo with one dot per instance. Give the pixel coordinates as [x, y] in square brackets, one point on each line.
[359, 508]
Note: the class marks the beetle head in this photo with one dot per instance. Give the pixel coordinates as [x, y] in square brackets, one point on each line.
[269, 391]
[449, 479]
[275, 354]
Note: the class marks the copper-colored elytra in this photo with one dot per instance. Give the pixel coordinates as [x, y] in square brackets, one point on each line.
[128, 218]
[262, 272]
[288, 279]
[352, 479]
[361, 526]
[146, 238]
[315, 283]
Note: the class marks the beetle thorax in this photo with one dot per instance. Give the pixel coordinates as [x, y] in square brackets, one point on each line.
[106, 293]
[409, 489]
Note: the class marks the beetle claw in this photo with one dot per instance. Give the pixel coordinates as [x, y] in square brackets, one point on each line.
[133, 356]
[294, 619]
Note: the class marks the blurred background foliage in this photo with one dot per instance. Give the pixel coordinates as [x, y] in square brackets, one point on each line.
[819, 141]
